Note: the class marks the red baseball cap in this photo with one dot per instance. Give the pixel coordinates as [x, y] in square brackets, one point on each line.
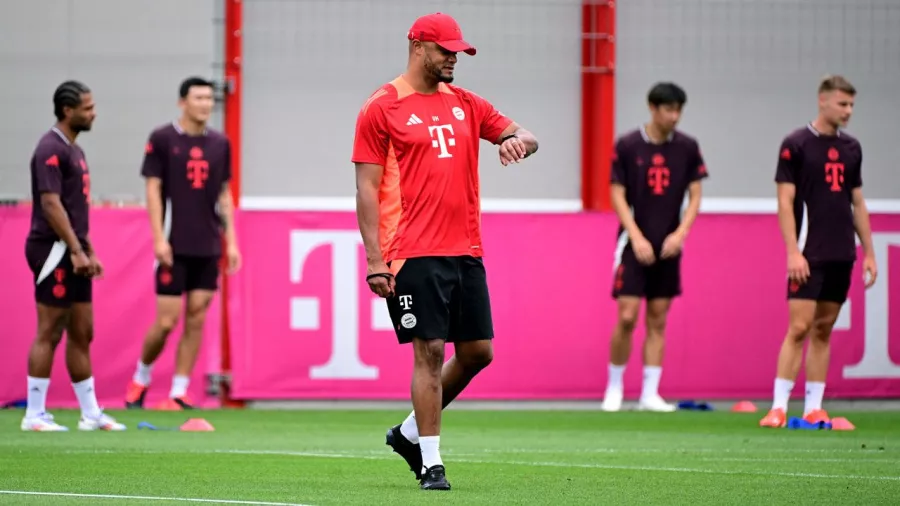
[442, 30]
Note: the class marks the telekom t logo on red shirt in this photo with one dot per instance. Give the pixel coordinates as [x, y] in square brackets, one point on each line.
[442, 141]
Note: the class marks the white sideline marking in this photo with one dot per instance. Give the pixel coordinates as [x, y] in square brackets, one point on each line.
[572, 465]
[147, 498]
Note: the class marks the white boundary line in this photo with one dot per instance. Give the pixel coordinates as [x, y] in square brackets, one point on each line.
[544, 206]
[575, 465]
[146, 498]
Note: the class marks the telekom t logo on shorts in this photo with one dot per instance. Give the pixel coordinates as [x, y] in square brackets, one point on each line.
[876, 360]
[344, 362]
[405, 302]
[441, 140]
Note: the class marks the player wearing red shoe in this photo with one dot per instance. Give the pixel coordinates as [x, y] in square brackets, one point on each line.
[187, 167]
[416, 155]
[820, 207]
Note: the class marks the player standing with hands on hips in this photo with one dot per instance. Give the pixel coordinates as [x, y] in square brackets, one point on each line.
[820, 208]
[419, 211]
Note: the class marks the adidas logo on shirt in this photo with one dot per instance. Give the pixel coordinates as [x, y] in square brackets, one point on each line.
[414, 120]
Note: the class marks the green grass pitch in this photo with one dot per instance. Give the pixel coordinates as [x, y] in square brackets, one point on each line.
[501, 457]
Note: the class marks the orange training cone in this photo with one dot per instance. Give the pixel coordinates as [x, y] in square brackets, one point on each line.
[744, 407]
[841, 424]
[197, 425]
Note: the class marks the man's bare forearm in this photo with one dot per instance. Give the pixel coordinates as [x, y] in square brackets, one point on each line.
[58, 219]
[155, 210]
[367, 217]
[226, 205]
[863, 227]
[623, 211]
[788, 225]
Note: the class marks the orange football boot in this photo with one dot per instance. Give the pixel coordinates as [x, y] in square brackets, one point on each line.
[776, 418]
[177, 404]
[134, 395]
[817, 416]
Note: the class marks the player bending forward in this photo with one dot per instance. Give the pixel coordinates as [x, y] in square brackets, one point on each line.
[187, 167]
[652, 169]
[64, 263]
[820, 206]
[416, 155]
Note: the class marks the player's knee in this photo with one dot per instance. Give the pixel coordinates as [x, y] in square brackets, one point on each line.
[627, 322]
[656, 324]
[195, 320]
[799, 329]
[81, 335]
[478, 359]
[166, 323]
[429, 354]
[51, 331]
[821, 329]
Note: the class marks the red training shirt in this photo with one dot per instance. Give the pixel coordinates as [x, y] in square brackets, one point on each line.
[429, 199]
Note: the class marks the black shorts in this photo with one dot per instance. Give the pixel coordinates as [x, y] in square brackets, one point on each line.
[828, 282]
[188, 274]
[660, 280]
[55, 281]
[442, 298]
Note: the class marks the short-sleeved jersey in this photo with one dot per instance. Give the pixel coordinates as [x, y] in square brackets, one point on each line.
[429, 199]
[193, 170]
[656, 177]
[824, 170]
[60, 167]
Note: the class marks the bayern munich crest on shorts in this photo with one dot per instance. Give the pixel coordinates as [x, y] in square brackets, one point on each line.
[408, 321]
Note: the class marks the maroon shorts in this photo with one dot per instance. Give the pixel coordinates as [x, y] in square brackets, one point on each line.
[661, 280]
[55, 281]
[829, 282]
[188, 274]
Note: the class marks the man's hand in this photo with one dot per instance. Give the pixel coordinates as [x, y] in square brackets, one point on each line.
[96, 266]
[643, 250]
[672, 245]
[380, 279]
[512, 150]
[163, 251]
[233, 255]
[870, 271]
[81, 264]
[798, 267]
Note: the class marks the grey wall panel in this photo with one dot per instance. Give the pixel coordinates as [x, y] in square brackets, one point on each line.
[751, 68]
[309, 66]
[132, 54]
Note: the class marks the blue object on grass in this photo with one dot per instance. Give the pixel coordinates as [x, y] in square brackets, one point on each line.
[695, 406]
[16, 404]
[796, 423]
[150, 426]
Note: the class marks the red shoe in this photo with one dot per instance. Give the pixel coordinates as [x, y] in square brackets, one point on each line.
[817, 416]
[775, 418]
[134, 395]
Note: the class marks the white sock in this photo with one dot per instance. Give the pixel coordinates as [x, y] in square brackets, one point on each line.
[616, 372]
[142, 374]
[431, 455]
[782, 393]
[652, 374]
[179, 386]
[87, 398]
[409, 429]
[815, 390]
[37, 396]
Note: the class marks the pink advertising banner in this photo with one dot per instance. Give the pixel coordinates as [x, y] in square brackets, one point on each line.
[124, 308]
[305, 326]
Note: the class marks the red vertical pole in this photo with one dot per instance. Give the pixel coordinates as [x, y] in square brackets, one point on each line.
[598, 99]
[233, 71]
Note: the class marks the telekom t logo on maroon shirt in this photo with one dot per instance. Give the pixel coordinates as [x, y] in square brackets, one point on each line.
[834, 170]
[439, 141]
[658, 175]
[197, 169]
